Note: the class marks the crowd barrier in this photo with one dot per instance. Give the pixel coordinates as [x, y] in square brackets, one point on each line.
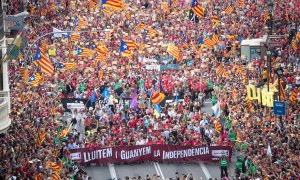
[142, 153]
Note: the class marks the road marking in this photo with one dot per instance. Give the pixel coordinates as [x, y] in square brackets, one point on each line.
[112, 171]
[158, 170]
[205, 170]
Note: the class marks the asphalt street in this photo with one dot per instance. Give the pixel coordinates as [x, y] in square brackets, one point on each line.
[165, 171]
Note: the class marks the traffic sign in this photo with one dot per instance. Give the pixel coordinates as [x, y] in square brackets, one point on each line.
[279, 108]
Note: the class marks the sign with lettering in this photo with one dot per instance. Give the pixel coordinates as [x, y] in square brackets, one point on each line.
[279, 108]
[14, 23]
[133, 154]
[261, 95]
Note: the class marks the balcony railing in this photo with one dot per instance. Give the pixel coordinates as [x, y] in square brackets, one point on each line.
[4, 111]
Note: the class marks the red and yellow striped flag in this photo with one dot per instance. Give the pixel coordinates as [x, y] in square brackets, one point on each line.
[131, 45]
[102, 49]
[225, 74]
[92, 4]
[56, 167]
[209, 43]
[114, 4]
[215, 39]
[218, 125]
[175, 3]
[21, 97]
[249, 104]
[266, 16]
[141, 26]
[142, 47]
[281, 91]
[20, 56]
[234, 94]
[127, 15]
[241, 3]
[198, 9]
[41, 136]
[75, 37]
[55, 176]
[174, 51]
[294, 44]
[100, 74]
[229, 10]
[215, 21]
[165, 7]
[294, 95]
[220, 70]
[43, 12]
[244, 78]
[150, 31]
[65, 132]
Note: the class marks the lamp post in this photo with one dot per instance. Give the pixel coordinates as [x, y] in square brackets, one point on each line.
[279, 72]
[269, 53]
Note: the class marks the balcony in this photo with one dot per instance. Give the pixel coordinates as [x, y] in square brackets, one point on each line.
[4, 112]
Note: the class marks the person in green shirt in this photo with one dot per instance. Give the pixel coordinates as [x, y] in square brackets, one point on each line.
[213, 99]
[232, 137]
[82, 87]
[224, 166]
[239, 167]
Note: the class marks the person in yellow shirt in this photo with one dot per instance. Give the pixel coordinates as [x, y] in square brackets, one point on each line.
[265, 75]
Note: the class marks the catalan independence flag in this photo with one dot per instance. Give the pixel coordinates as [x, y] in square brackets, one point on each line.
[42, 45]
[35, 79]
[69, 65]
[84, 52]
[114, 4]
[141, 26]
[174, 51]
[184, 42]
[131, 45]
[43, 61]
[79, 23]
[38, 174]
[149, 31]
[127, 47]
[99, 57]
[198, 9]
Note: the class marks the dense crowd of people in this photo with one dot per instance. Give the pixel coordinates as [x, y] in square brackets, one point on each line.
[37, 110]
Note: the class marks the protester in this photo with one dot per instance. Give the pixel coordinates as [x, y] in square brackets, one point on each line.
[38, 110]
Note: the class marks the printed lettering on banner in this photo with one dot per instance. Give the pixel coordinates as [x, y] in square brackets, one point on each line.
[133, 154]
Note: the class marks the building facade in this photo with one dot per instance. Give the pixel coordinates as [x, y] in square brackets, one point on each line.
[5, 121]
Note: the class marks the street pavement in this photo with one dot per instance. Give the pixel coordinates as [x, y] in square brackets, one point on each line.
[200, 171]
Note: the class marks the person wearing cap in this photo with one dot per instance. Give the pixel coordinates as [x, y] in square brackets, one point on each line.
[224, 166]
